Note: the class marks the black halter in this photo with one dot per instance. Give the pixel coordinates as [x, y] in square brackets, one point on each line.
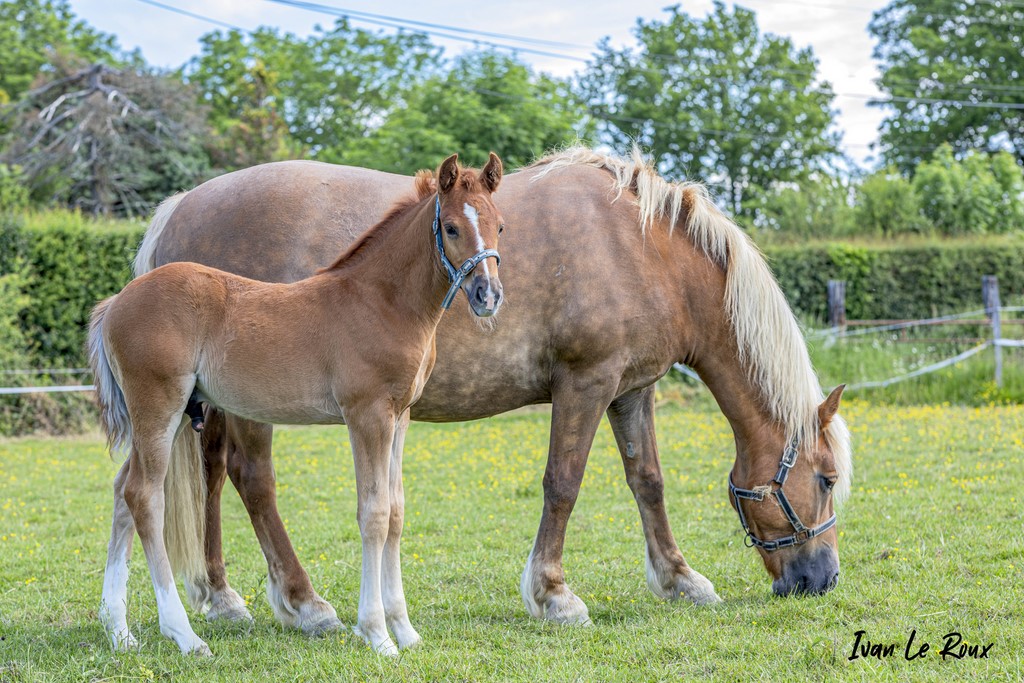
[801, 533]
[456, 276]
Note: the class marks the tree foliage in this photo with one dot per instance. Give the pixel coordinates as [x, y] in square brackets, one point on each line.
[106, 140]
[937, 52]
[716, 99]
[35, 32]
[324, 92]
[485, 102]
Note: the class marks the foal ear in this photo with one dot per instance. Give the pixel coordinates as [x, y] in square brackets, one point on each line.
[830, 406]
[448, 174]
[491, 175]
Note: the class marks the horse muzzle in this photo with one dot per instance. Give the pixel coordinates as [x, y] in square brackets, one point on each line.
[485, 295]
[811, 571]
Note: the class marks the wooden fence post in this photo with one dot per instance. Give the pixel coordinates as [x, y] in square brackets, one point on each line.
[837, 304]
[990, 295]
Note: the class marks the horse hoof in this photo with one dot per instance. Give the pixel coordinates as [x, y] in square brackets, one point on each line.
[697, 589]
[323, 627]
[567, 609]
[234, 613]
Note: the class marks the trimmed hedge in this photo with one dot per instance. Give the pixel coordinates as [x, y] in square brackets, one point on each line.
[907, 281]
[66, 268]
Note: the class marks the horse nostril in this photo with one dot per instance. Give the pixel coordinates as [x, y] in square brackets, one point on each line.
[480, 294]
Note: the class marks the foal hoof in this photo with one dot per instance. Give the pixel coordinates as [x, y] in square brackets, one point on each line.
[320, 628]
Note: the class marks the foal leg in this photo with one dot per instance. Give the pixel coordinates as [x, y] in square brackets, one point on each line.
[289, 589]
[144, 494]
[395, 611]
[372, 433]
[668, 576]
[577, 403]
[114, 603]
[213, 595]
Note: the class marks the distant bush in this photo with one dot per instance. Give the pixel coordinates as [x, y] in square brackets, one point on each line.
[898, 281]
[68, 264]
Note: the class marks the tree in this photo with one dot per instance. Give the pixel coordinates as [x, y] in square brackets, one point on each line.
[326, 91]
[979, 194]
[818, 207]
[486, 102]
[715, 98]
[33, 32]
[945, 64]
[107, 141]
[888, 205]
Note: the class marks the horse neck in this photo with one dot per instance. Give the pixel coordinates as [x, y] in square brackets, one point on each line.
[710, 347]
[401, 258]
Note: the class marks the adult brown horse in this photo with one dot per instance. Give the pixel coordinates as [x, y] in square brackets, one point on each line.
[616, 275]
[352, 344]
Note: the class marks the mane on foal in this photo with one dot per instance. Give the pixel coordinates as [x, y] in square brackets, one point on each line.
[770, 343]
[425, 186]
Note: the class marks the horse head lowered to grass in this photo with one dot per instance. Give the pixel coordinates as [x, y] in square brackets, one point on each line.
[351, 344]
[618, 275]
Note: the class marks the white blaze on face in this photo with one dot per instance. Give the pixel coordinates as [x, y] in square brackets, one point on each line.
[474, 219]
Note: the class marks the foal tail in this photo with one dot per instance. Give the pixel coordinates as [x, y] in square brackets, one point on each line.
[113, 409]
[185, 483]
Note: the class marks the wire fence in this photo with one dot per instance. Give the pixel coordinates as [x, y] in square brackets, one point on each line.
[832, 334]
[827, 334]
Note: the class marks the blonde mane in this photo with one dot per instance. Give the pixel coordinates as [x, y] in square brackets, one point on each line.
[767, 335]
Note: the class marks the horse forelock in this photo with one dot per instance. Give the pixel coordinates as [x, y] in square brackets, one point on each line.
[771, 346]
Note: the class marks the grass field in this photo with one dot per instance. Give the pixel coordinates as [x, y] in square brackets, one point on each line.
[931, 540]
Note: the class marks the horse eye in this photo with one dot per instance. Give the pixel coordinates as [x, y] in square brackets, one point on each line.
[501, 228]
[828, 482]
[451, 230]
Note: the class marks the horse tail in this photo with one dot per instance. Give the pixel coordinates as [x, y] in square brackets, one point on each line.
[185, 483]
[113, 409]
[185, 512]
[145, 257]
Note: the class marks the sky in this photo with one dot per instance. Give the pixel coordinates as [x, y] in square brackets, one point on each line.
[836, 31]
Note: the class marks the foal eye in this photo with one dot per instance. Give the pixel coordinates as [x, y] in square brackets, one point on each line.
[828, 482]
[451, 230]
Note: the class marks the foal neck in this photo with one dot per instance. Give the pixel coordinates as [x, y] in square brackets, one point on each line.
[399, 257]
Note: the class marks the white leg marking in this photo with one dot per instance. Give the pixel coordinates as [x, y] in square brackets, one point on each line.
[174, 622]
[114, 603]
[693, 585]
[562, 607]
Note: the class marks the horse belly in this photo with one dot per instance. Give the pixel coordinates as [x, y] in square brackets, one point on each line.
[266, 387]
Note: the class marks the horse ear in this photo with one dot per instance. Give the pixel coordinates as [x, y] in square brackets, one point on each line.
[830, 406]
[491, 175]
[448, 174]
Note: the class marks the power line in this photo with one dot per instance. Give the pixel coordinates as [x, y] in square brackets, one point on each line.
[404, 24]
[193, 15]
[316, 7]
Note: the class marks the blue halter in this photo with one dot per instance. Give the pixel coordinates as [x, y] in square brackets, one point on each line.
[456, 276]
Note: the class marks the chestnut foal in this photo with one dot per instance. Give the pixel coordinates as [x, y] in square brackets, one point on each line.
[353, 344]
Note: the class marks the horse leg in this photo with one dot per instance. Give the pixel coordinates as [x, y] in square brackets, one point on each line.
[213, 595]
[289, 589]
[114, 603]
[396, 612]
[577, 403]
[144, 495]
[372, 433]
[668, 575]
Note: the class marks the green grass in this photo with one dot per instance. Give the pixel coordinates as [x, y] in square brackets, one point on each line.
[931, 540]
